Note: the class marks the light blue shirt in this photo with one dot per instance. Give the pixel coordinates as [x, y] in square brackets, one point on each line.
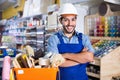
[53, 41]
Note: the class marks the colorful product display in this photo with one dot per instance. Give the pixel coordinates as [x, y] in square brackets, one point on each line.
[103, 47]
[108, 26]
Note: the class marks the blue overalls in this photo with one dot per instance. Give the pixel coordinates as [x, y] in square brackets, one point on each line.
[76, 72]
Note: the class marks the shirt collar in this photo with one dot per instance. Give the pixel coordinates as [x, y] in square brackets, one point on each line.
[62, 34]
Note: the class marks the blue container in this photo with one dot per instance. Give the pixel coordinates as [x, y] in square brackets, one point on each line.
[7, 52]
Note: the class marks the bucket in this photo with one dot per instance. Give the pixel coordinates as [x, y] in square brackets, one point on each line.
[35, 73]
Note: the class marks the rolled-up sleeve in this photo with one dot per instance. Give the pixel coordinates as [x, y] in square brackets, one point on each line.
[87, 43]
[52, 44]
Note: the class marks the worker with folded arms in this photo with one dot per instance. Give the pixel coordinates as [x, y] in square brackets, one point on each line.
[75, 47]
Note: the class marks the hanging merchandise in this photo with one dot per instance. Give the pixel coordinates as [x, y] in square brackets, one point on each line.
[35, 7]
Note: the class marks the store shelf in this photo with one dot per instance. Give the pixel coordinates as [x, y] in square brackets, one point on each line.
[40, 32]
[35, 33]
[40, 41]
[106, 40]
[1, 59]
[93, 74]
[96, 61]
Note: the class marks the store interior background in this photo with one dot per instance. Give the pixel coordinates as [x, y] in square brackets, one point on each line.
[9, 9]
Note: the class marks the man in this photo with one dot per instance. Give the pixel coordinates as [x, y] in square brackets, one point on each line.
[73, 46]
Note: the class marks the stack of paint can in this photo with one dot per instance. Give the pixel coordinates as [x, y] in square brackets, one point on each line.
[108, 26]
[93, 68]
[103, 47]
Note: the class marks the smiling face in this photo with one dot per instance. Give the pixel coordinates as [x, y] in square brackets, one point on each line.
[69, 23]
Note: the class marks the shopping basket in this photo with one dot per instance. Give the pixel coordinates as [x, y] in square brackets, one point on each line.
[35, 73]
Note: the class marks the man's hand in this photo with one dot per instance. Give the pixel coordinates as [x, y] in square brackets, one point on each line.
[85, 56]
[82, 57]
[85, 49]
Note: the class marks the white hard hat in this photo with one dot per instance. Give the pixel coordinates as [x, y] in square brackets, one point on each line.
[68, 8]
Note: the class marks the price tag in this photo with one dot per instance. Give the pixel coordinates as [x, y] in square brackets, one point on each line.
[20, 72]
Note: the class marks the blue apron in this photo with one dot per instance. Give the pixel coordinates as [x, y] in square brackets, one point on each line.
[76, 72]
